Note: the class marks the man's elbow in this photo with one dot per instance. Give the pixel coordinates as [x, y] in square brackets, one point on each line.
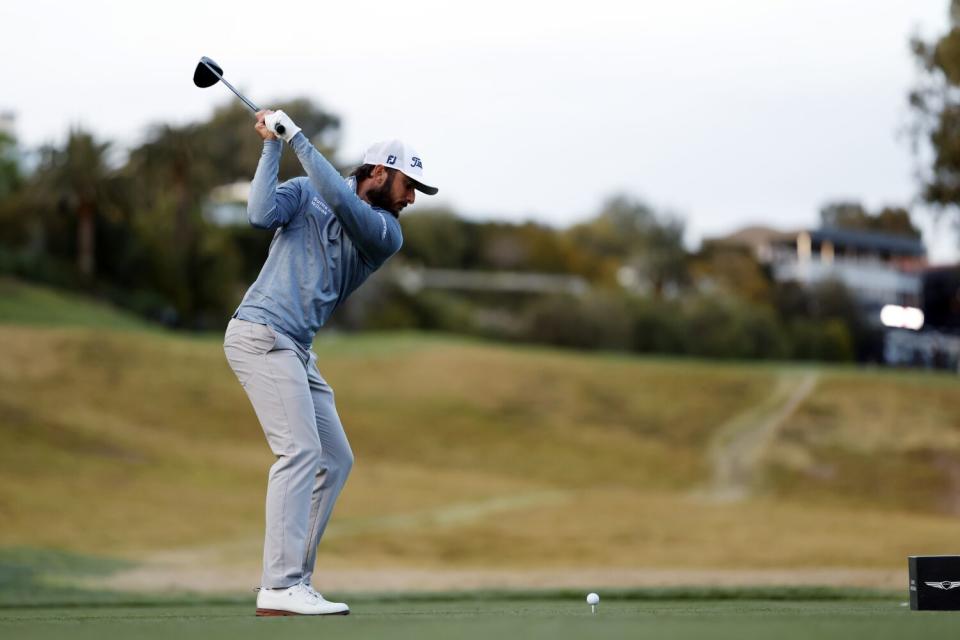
[260, 219]
[383, 251]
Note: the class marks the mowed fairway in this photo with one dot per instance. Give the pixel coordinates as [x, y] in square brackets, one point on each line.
[485, 619]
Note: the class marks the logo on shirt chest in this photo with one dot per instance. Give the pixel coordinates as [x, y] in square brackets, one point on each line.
[320, 205]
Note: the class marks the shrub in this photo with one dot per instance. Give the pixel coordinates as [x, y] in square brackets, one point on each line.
[594, 322]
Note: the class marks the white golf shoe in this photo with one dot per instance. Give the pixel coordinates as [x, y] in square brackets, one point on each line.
[298, 600]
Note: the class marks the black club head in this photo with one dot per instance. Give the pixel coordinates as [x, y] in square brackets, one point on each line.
[203, 76]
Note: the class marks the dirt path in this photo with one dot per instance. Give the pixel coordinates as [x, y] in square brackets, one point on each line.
[741, 441]
[216, 567]
[447, 516]
[386, 579]
[405, 579]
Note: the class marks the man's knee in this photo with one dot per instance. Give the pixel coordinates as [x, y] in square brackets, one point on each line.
[308, 455]
[347, 462]
[338, 466]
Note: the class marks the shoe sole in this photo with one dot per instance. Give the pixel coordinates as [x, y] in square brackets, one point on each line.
[271, 613]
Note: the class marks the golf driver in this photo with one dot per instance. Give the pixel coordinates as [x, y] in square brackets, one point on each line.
[208, 73]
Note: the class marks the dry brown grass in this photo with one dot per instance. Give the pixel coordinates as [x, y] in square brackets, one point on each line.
[883, 439]
[468, 455]
[634, 528]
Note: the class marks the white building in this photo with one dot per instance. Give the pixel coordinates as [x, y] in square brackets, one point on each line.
[877, 268]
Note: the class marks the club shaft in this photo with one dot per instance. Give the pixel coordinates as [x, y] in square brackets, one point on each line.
[252, 106]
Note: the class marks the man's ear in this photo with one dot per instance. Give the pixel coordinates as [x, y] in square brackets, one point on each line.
[379, 175]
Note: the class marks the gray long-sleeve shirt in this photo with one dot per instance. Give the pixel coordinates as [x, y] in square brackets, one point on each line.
[327, 242]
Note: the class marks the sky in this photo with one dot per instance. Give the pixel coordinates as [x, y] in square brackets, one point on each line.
[723, 112]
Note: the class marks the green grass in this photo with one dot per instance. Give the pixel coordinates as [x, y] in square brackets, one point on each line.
[34, 603]
[491, 618]
[22, 303]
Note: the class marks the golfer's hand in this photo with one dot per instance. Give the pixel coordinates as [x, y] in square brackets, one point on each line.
[288, 130]
[261, 125]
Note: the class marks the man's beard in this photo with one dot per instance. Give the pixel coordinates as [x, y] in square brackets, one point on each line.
[380, 197]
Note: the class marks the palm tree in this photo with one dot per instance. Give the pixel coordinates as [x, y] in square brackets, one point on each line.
[77, 177]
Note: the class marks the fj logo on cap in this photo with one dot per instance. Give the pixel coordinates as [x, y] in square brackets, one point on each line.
[391, 159]
[415, 162]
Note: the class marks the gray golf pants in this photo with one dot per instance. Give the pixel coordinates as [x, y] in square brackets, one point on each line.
[296, 410]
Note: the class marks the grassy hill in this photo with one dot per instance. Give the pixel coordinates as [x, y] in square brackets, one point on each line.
[477, 455]
[22, 303]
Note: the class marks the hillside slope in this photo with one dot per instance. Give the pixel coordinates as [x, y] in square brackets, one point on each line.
[476, 455]
[31, 304]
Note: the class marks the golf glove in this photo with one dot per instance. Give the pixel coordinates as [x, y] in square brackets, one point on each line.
[280, 118]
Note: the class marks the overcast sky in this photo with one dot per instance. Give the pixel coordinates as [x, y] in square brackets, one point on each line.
[725, 112]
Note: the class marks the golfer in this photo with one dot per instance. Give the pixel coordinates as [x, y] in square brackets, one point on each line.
[330, 234]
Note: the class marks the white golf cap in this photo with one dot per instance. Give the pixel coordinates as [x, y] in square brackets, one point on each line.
[394, 154]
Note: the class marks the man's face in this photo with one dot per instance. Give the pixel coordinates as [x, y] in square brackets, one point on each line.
[394, 194]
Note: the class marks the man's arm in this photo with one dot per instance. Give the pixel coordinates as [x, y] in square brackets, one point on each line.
[375, 233]
[270, 206]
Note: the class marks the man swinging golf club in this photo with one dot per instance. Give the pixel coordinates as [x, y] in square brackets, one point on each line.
[330, 234]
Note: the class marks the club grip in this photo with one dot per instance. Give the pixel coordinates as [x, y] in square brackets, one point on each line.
[281, 129]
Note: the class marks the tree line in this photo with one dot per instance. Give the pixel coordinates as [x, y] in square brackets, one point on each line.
[131, 227]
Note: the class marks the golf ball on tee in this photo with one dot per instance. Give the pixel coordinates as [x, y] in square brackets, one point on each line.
[593, 599]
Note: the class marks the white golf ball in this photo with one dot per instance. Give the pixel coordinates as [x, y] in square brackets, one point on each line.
[593, 599]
